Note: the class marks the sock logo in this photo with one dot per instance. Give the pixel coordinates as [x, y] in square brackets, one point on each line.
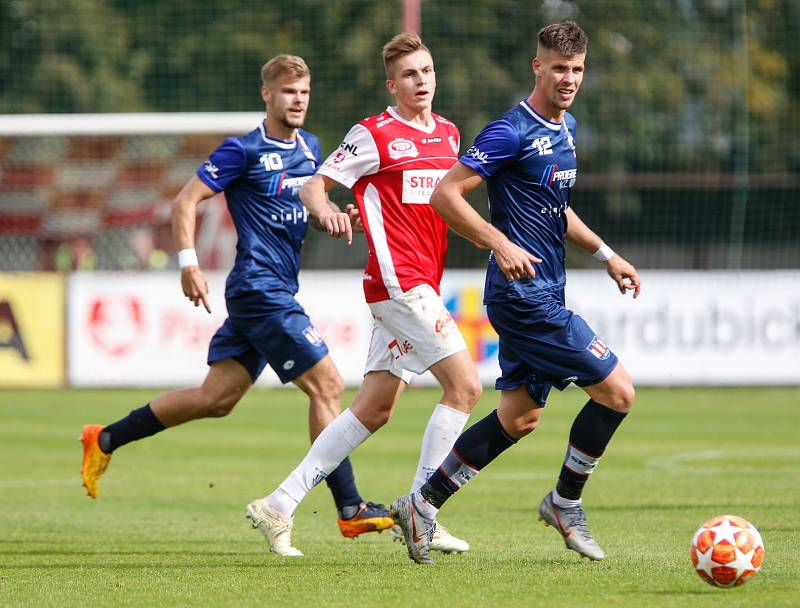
[580, 462]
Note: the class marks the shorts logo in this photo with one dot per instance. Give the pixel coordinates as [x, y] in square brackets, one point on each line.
[444, 324]
[599, 349]
[400, 148]
[397, 349]
[569, 379]
[287, 365]
[337, 157]
[312, 335]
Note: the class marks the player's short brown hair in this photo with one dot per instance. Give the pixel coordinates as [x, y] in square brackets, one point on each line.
[284, 65]
[566, 38]
[400, 45]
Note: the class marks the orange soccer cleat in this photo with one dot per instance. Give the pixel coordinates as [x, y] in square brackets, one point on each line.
[95, 460]
[369, 517]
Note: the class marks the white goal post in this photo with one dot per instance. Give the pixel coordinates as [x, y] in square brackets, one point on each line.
[142, 123]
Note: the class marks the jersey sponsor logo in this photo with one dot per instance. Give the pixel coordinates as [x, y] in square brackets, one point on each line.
[418, 185]
[348, 148]
[431, 140]
[542, 145]
[453, 143]
[565, 178]
[384, 121]
[279, 183]
[478, 155]
[211, 169]
[272, 161]
[293, 215]
[402, 148]
[599, 349]
[312, 335]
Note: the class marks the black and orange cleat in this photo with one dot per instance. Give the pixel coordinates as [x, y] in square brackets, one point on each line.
[95, 460]
[368, 517]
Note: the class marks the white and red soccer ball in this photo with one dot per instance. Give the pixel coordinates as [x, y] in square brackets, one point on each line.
[727, 551]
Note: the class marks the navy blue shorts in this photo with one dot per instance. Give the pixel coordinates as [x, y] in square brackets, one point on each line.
[543, 345]
[274, 331]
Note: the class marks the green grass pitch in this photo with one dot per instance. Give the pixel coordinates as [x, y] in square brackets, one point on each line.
[169, 528]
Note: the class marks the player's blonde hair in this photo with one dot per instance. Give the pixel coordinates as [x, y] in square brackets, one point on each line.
[400, 45]
[284, 65]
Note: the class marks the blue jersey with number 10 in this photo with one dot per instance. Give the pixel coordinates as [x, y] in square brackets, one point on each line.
[529, 166]
[261, 177]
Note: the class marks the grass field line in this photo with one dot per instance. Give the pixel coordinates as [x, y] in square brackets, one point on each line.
[682, 460]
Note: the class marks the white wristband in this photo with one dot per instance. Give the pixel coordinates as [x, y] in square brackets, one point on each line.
[604, 253]
[187, 257]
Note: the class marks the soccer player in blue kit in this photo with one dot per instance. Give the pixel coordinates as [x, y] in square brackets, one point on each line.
[527, 159]
[261, 174]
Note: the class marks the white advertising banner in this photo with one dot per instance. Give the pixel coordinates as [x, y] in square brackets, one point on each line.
[137, 329]
[686, 328]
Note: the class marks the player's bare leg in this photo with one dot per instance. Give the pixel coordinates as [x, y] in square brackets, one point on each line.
[610, 400]
[226, 382]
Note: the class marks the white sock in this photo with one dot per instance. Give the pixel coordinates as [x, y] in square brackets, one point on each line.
[444, 427]
[331, 446]
[564, 503]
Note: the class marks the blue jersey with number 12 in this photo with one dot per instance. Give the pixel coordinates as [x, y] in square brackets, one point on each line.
[529, 166]
[261, 177]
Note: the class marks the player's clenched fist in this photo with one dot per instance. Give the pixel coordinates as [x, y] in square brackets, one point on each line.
[337, 225]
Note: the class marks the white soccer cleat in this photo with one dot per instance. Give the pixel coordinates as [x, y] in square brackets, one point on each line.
[447, 543]
[276, 529]
[442, 540]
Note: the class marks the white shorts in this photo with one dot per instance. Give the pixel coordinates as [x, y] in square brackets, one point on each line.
[411, 333]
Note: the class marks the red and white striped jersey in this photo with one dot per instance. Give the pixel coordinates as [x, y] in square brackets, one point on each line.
[392, 165]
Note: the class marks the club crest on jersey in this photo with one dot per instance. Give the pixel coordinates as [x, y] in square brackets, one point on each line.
[453, 144]
[599, 349]
[401, 148]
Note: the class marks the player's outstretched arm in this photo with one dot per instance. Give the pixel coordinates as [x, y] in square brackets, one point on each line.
[619, 269]
[314, 195]
[449, 202]
[184, 210]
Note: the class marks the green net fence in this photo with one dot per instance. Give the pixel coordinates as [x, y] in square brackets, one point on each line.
[688, 131]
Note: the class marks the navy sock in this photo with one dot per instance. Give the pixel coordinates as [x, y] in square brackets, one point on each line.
[479, 445]
[342, 484]
[138, 424]
[591, 431]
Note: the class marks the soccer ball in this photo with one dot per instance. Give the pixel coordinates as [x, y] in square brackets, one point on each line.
[727, 551]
